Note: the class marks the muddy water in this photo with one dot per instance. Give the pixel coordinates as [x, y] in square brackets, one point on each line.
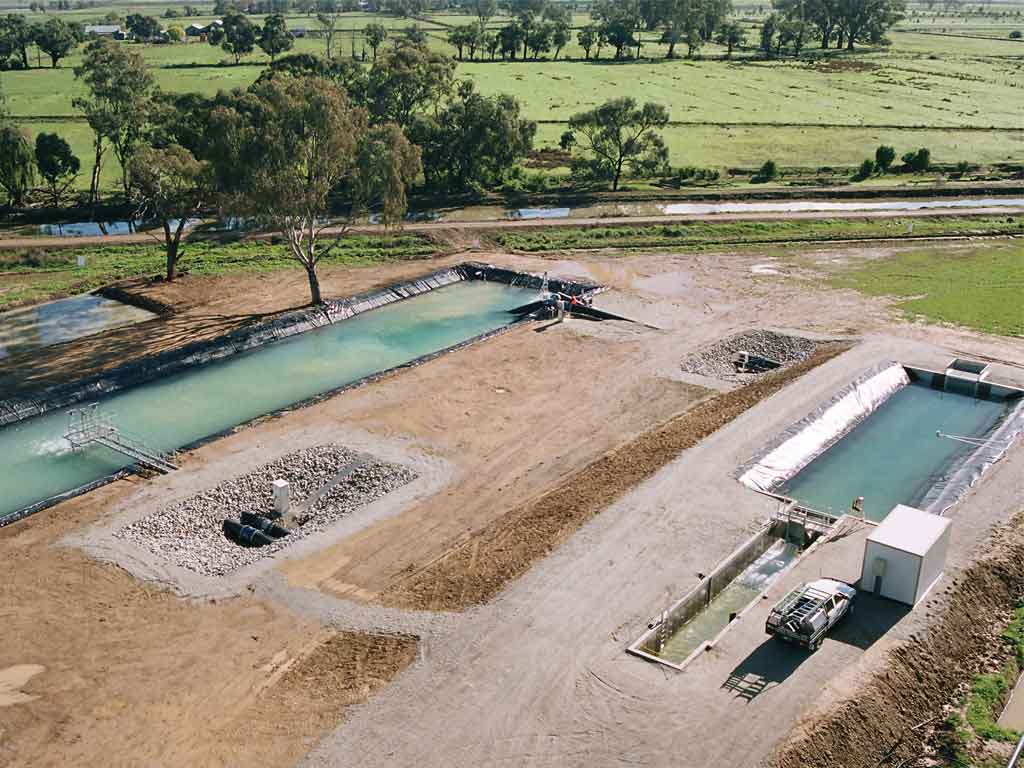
[733, 599]
[603, 210]
[24, 330]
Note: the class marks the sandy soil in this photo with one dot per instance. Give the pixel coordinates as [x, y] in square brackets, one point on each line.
[104, 661]
[536, 676]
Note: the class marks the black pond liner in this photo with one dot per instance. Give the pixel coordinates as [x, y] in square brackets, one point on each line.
[23, 407]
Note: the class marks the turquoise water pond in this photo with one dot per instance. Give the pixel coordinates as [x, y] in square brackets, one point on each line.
[894, 456]
[199, 402]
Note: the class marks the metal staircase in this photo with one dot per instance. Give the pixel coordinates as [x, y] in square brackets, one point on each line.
[89, 427]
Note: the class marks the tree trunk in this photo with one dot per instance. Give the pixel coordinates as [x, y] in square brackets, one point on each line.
[173, 242]
[671, 50]
[53, 62]
[728, 51]
[24, 57]
[172, 260]
[94, 184]
[314, 285]
[849, 43]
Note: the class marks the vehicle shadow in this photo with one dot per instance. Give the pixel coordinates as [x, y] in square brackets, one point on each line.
[873, 617]
[772, 662]
[769, 665]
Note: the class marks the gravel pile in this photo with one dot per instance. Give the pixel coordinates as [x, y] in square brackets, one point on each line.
[716, 361]
[189, 533]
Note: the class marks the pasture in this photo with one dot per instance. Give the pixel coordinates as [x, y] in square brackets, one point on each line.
[949, 82]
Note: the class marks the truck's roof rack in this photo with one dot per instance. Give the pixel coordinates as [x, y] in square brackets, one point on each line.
[801, 604]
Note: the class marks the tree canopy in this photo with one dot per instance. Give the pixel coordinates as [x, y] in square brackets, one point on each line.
[282, 148]
[407, 80]
[58, 166]
[56, 38]
[173, 187]
[17, 163]
[616, 133]
[474, 140]
[236, 35]
[117, 108]
[275, 37]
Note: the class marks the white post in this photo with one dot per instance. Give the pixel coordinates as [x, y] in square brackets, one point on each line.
[282, 497]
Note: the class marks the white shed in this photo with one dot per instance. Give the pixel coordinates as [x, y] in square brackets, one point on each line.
[904, 556]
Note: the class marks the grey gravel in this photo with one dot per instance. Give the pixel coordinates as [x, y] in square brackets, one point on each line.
[188, 533]
[716, 360]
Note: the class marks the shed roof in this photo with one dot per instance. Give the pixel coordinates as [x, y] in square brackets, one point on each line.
[910, 530]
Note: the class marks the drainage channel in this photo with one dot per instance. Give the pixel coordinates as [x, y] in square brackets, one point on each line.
[703, 615]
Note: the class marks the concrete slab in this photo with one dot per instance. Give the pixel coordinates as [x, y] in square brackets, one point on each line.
[1013, 713]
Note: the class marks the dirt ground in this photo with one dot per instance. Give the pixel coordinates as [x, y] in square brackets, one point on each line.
[537, 675]
[122, 663]
[478, 569]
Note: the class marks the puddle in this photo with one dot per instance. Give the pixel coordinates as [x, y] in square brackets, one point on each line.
[31, 328]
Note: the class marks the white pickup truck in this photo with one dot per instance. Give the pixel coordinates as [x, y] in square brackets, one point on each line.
[808, 612]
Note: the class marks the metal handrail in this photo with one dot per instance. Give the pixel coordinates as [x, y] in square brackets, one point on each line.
[1016, 753]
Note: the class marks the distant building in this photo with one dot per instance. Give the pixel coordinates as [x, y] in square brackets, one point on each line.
[113, 31]
[202, 30]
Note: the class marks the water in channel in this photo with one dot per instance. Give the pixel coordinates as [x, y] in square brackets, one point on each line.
[205, 400]
[753, 580]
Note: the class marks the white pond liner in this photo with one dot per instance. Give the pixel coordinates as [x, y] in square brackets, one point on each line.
[806, 440]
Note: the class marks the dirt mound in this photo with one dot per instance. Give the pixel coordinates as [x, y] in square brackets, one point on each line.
[480, 567]
[716, 361]
[883, 724]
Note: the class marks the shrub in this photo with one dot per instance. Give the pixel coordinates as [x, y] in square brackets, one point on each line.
[692, 173]
[884, 156]
[768, 172]
[1015, 35]
[867, 168]
[918, 162]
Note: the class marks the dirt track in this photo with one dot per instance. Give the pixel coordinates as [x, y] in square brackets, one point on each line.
[484, 226]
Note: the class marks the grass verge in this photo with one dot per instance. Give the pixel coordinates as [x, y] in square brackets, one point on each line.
[33, 275]
[704, 234]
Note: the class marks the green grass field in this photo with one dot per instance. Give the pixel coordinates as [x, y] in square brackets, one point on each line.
[959, 95]
[709, 234]
[977, 286]
[39, 275]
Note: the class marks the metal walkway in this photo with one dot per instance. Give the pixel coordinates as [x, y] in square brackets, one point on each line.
[88, 427]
